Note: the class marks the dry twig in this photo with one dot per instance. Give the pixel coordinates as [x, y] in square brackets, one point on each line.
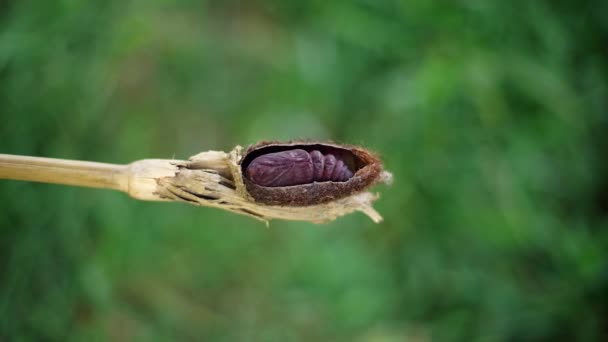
[211, 178]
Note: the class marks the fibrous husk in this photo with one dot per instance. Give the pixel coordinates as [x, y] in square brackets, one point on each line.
[367, 166]
[215, 179]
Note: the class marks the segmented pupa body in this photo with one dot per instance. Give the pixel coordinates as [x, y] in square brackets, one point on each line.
[295, 167]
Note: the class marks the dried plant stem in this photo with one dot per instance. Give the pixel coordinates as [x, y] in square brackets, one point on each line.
[62, 171]
[209, 178]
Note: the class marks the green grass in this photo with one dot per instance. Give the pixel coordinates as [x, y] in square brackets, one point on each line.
[491, 115]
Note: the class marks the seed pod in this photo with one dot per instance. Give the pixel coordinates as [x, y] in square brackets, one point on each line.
[307, 173]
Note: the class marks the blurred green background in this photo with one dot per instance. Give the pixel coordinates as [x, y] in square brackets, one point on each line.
[492, 115]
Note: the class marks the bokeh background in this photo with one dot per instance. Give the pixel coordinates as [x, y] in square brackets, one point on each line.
[492, 115]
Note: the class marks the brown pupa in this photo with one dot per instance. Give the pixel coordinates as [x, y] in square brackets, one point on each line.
[300, 173]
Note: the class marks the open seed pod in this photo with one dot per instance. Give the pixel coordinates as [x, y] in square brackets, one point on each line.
[307, 173]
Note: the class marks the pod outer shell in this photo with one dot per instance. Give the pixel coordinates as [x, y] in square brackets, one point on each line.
[367, 165]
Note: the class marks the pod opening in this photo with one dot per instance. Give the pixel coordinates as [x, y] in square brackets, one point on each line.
[353, 162]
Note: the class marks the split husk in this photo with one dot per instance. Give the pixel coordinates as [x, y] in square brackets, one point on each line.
[216, 179]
